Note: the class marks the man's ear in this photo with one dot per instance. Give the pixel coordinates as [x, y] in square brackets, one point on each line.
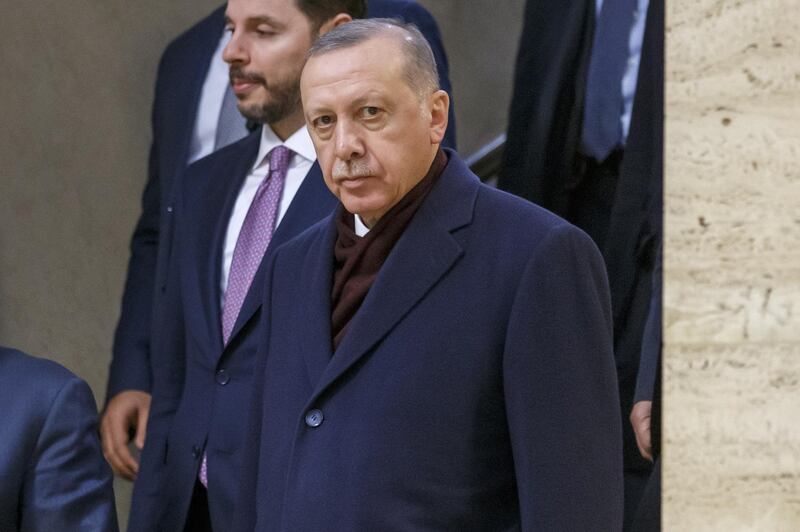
[328, 25]
[439, 105]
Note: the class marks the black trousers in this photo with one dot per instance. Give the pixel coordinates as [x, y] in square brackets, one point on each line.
[648, 515]
[199, 518]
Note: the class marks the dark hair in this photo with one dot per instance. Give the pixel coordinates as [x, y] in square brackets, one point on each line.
[320, 11]
[420, 68]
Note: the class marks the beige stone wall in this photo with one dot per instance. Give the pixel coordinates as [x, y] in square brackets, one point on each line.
[732, 266]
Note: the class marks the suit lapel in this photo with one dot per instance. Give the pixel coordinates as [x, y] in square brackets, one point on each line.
[422, 256]
[312, 202]
[215, 203]
[194, 71]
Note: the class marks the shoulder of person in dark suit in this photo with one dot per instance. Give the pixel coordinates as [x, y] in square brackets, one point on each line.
[54, 475]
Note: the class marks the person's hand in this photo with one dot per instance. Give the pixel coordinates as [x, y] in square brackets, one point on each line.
[640, 419]
[125, 412]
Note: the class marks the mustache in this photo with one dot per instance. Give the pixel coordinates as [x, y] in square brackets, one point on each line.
[351, 169]
[237, 73]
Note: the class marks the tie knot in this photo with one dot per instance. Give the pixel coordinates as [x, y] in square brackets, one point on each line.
[279, 158]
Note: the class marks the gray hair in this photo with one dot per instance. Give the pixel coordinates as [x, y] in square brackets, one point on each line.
[420, 70]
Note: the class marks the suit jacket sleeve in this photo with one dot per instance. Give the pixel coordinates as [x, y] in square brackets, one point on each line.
[651, 342]
[561, 390]
[130, 363]
[68, 485]
[169, 371]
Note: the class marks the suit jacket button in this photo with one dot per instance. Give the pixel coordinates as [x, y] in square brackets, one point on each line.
[222, 377]
[314, 418]
[196, 451]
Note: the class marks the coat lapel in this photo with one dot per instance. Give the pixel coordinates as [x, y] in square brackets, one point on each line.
[312, 202]
[424, 254]
[315, 291]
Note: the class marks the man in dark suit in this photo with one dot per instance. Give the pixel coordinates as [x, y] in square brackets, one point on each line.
[424, 365]
[52, 472]
[193, 114]
[585, 141]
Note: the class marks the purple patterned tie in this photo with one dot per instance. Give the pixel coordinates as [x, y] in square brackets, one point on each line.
[250, 247]
[254, 237]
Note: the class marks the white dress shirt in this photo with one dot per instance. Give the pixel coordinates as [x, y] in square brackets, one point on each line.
[359, 226]
[304, 157]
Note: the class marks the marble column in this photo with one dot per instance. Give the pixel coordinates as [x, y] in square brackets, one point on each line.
[732, 266]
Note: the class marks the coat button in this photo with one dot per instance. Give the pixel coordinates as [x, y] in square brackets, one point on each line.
[314, 418]
[196, 451]
[222, 377]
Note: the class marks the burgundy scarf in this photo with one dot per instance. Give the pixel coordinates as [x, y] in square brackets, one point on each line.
[358, 259]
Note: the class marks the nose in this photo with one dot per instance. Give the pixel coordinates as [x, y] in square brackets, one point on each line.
[236, 49]
[349, 144]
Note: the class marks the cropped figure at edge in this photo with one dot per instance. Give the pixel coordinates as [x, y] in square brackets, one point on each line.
[52, 473]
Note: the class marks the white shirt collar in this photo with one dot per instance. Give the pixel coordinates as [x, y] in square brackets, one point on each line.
[299, 142]
[359, 226]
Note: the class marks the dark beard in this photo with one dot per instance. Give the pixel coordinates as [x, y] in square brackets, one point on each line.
[285, 100]
[274, 111]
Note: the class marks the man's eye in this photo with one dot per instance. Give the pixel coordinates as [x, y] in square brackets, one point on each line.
[264, 32]
[369, 112]
[323, 121]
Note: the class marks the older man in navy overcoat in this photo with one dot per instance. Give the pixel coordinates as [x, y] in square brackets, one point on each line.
[425, 366]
